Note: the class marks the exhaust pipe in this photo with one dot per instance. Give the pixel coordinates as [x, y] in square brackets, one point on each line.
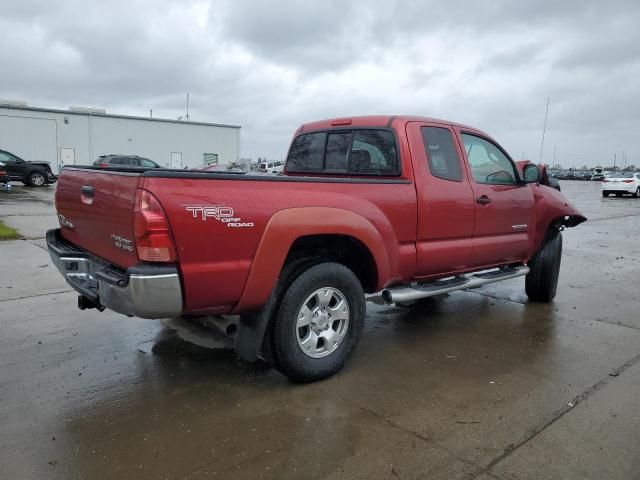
[85, 303]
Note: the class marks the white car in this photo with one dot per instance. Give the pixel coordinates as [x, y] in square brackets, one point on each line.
[621, 183]
[271, 167]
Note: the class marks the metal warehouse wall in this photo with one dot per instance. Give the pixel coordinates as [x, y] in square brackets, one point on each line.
[43, 135]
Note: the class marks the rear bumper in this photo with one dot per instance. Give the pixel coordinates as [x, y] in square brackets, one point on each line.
[146, 291]
[619, 187]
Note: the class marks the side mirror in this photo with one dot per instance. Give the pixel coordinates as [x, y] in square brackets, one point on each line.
[531, 173]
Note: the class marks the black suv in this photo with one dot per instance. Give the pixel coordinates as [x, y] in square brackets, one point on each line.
[35, 174]
[124, 161]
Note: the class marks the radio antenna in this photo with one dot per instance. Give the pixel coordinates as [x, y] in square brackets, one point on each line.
[544, 130]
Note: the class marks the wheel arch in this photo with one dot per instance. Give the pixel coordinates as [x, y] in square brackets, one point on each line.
[34, 169]
[314, 231]
[344, 249]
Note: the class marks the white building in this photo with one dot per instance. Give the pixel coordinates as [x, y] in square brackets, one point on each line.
[79, 135]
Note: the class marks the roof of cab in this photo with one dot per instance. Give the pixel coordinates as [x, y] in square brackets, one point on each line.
[374, 121]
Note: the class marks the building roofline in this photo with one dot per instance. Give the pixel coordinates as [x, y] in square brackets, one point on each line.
[110, 115]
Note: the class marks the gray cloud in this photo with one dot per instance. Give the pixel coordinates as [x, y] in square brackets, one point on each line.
[270, 66]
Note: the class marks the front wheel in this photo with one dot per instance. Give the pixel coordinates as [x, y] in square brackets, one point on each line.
[318, 323]
[541, 282]
[36, 179]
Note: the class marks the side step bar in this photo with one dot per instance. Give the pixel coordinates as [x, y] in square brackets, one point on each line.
[460, 282]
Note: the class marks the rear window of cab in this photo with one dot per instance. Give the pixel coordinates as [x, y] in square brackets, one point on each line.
[352, 152]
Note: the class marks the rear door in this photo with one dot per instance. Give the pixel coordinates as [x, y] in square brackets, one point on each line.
[446, 206]
[97, 212]
[504, 205]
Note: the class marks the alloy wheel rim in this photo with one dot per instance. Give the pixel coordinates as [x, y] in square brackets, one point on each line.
[322, 322]
[37, 179]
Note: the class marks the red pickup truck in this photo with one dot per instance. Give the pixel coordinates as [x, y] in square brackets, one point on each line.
[408, 207]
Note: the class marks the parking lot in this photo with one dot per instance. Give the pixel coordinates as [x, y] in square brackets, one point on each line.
[480, 384]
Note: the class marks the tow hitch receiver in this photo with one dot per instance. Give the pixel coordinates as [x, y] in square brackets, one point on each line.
[85, 303]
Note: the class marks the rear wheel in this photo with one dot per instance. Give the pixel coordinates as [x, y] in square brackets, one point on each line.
[542, 281]
[36, 179]
[636, 194]
[318, 323]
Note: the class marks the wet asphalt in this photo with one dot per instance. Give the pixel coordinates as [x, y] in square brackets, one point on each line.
[477, 385]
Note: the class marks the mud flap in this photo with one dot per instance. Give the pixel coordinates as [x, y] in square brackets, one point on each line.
[253, 326]
[251, 330]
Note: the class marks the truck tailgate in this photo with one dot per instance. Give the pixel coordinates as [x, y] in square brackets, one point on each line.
[96, 212]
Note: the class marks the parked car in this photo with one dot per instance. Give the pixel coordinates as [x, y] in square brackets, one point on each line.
[4, 176]
[33, 173]
[621, 183]
[125, 161]
[408, 207]
[271, 167]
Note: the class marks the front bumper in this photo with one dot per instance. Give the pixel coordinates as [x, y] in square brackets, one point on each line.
[146, 291]
[51, 178]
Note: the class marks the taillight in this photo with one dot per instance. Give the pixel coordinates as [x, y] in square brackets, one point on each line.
[151, 230]
[103, 164]
[604, 180]
[627, 181]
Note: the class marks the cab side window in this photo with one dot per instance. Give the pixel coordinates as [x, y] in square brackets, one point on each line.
[488, 163]
[441, 153]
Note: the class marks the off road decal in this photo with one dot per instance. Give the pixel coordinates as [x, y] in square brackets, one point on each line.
[221, 214]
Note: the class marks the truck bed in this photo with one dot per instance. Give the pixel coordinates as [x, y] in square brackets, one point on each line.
[218, 219]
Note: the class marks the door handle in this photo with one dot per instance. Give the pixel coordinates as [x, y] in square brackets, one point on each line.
[483, 200]
[87, 190]
[86, 194]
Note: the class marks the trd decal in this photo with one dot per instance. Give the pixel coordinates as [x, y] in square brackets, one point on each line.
[222, 214]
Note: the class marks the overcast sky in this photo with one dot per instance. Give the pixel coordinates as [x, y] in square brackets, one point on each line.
[272, 65]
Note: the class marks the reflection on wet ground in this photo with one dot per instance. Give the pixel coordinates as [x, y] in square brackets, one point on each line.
[478, 384]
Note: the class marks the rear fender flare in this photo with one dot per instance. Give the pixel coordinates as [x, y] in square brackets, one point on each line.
[285, 227]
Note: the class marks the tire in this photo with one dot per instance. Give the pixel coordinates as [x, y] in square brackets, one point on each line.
[37, 179]
[320, 344]
[605, 194]
[542, 280]
[636, 194]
